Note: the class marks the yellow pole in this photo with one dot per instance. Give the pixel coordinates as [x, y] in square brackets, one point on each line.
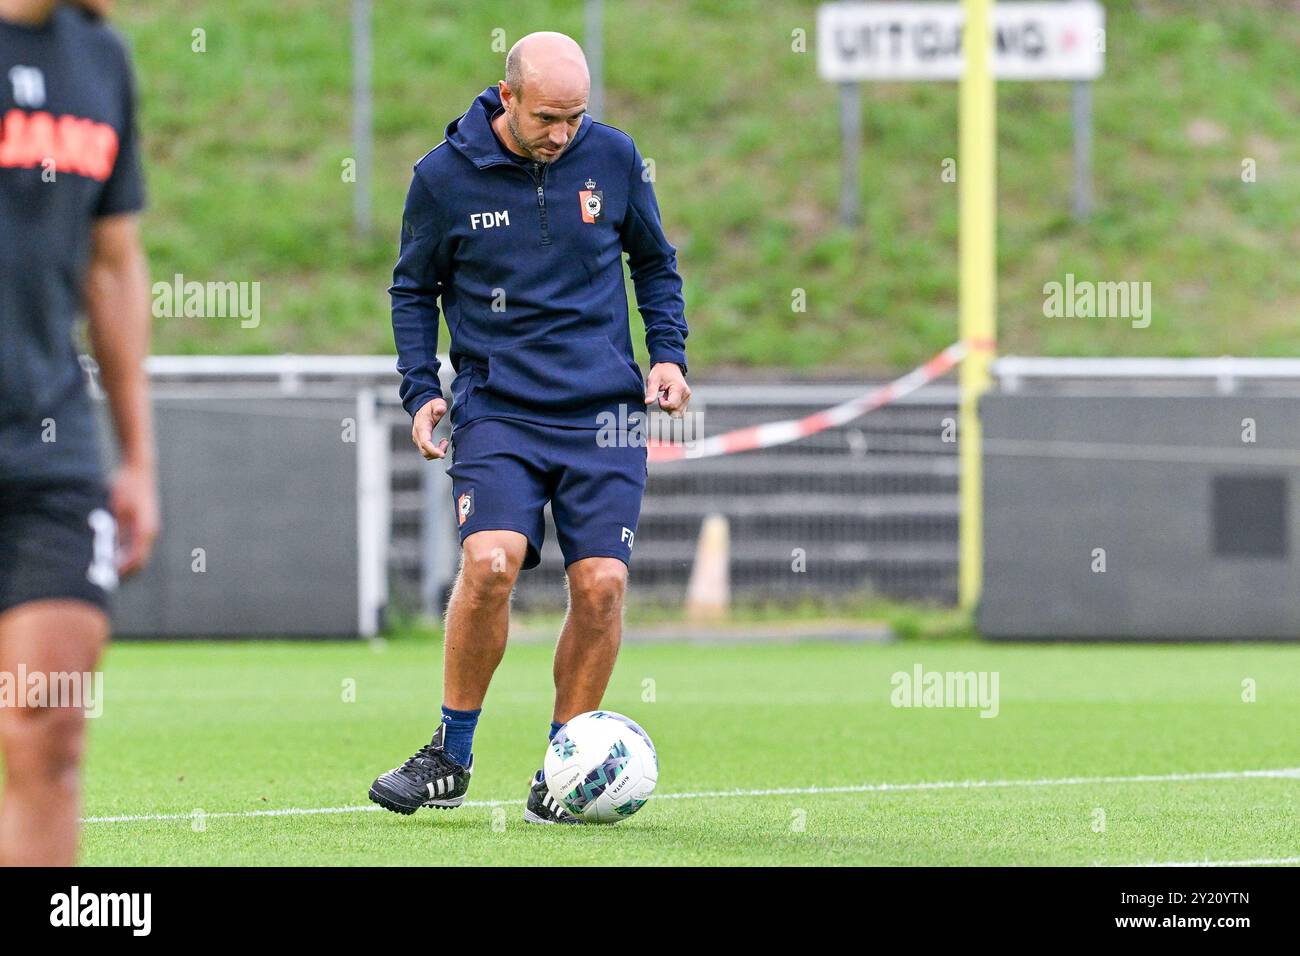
[977, 190]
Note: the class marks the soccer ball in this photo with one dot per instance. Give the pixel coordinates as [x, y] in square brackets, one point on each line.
[601, 766]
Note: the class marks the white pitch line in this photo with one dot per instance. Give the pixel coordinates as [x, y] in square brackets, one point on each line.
[1276, 861]
[1285, 772]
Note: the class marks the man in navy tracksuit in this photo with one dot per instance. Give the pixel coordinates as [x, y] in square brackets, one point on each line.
[518, 221]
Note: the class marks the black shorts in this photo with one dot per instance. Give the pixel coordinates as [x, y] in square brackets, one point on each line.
[57, 541]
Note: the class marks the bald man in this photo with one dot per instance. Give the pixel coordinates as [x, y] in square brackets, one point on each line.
[518, 222]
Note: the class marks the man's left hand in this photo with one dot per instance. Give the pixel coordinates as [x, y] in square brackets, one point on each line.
[668, 385]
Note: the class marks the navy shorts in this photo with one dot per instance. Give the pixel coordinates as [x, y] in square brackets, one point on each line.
[503, 472]
[57, 541]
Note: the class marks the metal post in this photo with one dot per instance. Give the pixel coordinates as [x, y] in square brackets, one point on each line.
[977, 298]
[374, 513]
[595, 50]
[850, 153]
[1081, 117]
[362, 114]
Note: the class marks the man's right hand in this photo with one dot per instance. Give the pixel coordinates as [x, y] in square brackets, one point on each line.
[426, 419]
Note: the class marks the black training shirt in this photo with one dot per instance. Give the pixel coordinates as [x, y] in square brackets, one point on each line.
[68, 155]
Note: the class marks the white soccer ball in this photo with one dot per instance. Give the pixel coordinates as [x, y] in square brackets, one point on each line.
[601, 766]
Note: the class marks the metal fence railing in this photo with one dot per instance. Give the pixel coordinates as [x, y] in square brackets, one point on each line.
[866, 508]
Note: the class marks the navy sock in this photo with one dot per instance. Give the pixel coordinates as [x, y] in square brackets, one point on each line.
[459, 738]
[555, 728]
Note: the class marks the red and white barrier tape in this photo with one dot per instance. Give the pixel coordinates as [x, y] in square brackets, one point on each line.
[782, 433]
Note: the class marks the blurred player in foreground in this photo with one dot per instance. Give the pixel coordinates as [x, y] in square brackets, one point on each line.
[70, 188]
[519, 221]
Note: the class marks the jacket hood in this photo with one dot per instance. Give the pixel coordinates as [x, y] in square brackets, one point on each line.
[471, 133]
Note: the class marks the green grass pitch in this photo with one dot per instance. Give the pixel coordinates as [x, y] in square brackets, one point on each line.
[235, 730]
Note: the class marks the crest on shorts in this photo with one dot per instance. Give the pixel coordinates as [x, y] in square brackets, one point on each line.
[464, 506]
[592, 201]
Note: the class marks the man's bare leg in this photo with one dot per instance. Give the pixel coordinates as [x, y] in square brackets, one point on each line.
[589, 641]
[478, 619]
[478, 615]
[43, 746]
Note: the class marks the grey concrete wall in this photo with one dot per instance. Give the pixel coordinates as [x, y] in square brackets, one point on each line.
[268, 489]
[1197, 525]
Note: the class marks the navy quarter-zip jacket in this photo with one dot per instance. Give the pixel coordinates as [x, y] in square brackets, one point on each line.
[527, 260]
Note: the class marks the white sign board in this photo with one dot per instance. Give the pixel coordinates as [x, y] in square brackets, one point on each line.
[922, 41]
